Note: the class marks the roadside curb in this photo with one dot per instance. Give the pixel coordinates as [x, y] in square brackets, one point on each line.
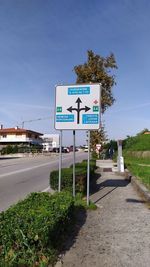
[140, 188]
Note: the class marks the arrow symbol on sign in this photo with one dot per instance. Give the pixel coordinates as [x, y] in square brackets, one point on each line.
[78, 109]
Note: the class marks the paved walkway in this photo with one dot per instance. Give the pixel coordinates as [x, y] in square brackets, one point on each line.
[117, 234]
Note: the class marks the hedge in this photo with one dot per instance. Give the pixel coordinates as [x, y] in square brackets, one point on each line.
[67, 176]
[92, 165]
[83, 165]
[67, 179]
[29, 230]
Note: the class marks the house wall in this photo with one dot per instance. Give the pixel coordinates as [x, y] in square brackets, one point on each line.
[20, 138]
[50, 141]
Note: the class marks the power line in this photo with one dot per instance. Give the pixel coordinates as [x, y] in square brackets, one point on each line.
[38, 119]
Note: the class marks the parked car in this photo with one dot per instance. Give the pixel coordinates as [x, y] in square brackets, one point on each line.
[86, 149]
[65, 150]
[56, 149]
[71, 149]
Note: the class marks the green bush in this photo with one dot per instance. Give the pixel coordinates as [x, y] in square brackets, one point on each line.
[30, 229]
[83, 164]
[9, 149]
[67, 179]
[67, 176]
[92, 165]
[81, 179]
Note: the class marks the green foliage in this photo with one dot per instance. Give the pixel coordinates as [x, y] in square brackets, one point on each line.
[92, 166]
[97, 137]
[9, 149]
[137, 143]
[98, 69]
[29, 230]
[143, 131]
[135, 160]
[140, 168]
[112, 143]
[12, 149]
[81, 202]
[67, 177]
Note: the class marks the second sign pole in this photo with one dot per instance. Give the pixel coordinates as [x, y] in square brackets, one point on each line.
[88, 169]
[74, 191]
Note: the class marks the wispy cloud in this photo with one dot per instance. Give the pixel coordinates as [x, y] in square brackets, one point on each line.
[131, 108]
[32, 106]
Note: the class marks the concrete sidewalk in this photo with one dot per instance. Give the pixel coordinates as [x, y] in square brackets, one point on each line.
[118, 232]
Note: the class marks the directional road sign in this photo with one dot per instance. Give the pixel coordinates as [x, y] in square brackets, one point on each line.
[77, 107]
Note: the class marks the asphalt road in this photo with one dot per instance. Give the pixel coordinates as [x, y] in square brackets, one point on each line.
[21, 176]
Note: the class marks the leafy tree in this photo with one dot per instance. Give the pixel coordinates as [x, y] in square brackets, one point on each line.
[97, 137]
[98, 69]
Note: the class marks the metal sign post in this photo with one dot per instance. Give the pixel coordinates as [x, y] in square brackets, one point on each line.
[60, 160]
[74, 191]
[88, 169]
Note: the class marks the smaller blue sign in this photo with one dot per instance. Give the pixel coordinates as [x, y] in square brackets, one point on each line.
[79, 90]
[90, 119]
[65, 118]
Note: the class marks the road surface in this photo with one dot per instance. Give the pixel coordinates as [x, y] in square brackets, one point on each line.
[21, 176]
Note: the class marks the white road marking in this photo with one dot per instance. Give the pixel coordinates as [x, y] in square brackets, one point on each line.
[32, 168]
[26, 169]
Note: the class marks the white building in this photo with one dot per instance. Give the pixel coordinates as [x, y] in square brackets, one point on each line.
[50, 141]
[18, 136]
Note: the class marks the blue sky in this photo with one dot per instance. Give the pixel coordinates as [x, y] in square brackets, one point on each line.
[42, 40]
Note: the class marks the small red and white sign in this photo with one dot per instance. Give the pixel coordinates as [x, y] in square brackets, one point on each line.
[98, 146]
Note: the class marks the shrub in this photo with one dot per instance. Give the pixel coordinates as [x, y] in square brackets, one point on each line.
[67, 179]
[67, 176]
[30, 229]
[92, 165]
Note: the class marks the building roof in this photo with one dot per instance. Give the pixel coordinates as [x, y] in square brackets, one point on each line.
[17, 130]
[148, 132]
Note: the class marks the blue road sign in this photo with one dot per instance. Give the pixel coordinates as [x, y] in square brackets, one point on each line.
[79, 90]
[90, 119]
[65, 118]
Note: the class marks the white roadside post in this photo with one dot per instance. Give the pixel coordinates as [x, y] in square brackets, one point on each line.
[77, 107]
[120, 159]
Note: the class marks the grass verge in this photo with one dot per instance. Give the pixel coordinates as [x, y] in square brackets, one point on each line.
[140, 168]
